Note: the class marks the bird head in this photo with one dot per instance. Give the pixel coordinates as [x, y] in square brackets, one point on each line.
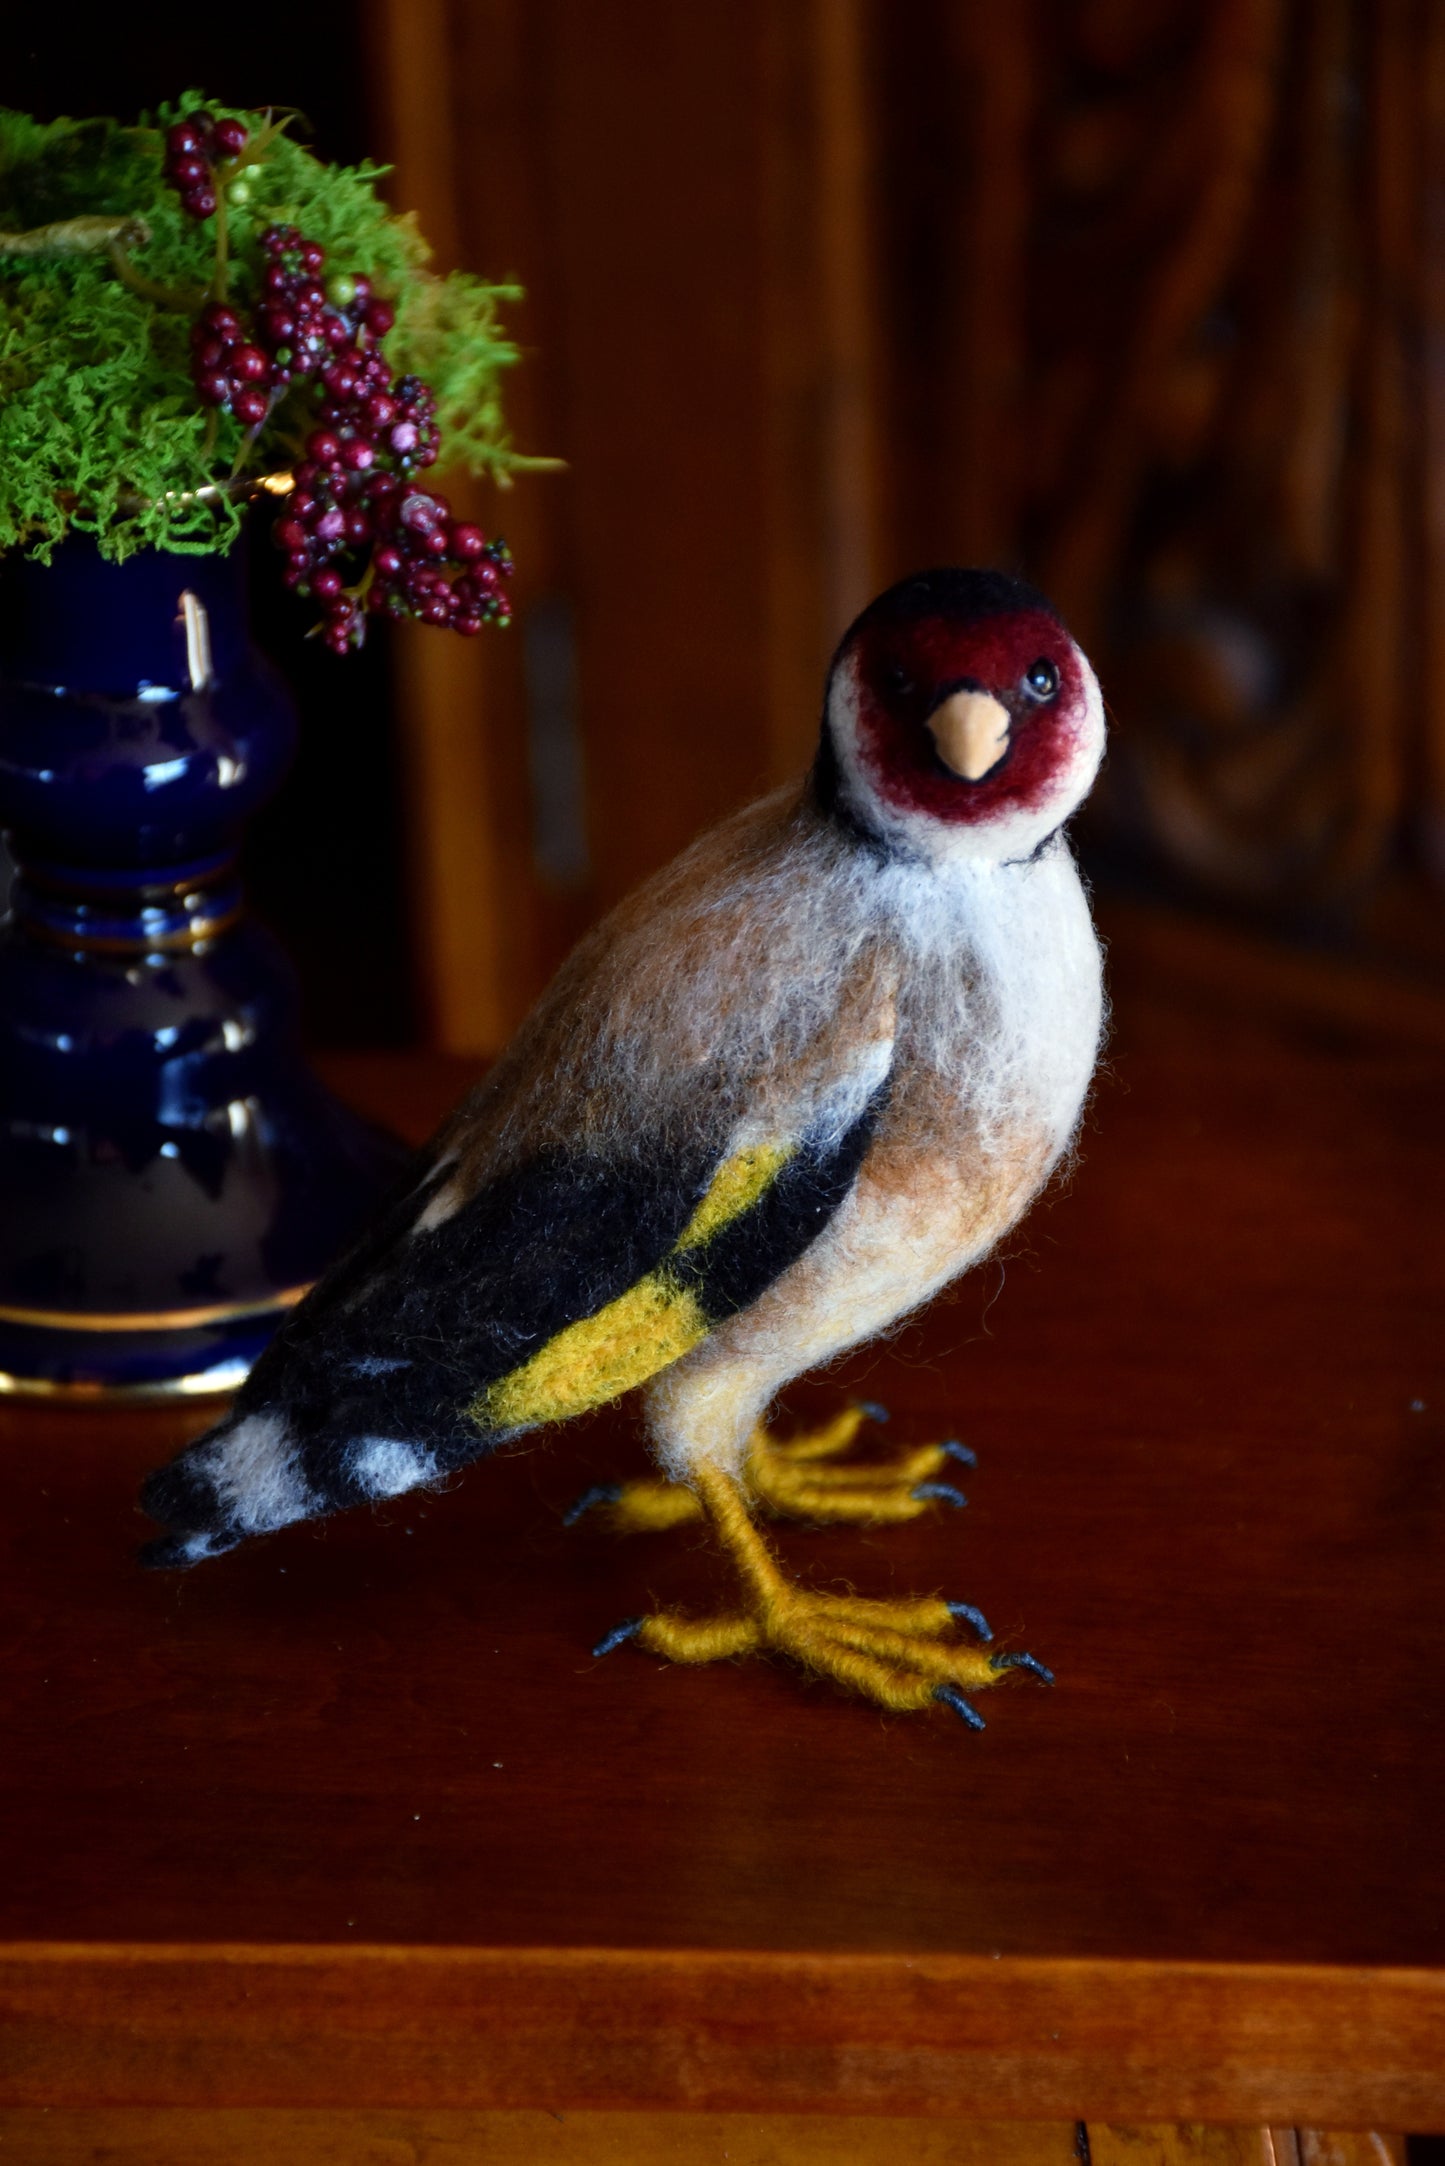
[961, 719]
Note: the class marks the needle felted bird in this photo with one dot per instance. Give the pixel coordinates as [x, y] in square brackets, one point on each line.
[801, 1079]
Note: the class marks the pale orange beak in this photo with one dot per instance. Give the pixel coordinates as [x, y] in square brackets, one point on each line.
[971, 731]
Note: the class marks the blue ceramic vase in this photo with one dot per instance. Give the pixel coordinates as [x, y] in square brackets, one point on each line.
[171, 1176]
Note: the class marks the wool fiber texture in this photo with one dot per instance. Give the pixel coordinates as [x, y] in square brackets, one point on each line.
[798, 1081]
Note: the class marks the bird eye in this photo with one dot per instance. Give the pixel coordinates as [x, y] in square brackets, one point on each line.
[896, 679]
[1041, 679]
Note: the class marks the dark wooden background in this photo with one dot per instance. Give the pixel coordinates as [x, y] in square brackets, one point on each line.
[1141, 297]
[1138, 297]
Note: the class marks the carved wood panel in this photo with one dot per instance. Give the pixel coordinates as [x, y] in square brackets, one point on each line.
[1167, 310]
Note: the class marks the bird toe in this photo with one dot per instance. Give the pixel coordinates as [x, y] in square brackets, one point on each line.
[962, 1706]
[599, 1493]
[1021, 1661]
[969, 1613]
[939, 1493]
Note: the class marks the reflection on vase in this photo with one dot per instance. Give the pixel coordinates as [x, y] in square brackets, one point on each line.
[171, 1176]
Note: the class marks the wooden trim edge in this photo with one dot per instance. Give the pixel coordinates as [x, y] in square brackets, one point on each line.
[701, 2031]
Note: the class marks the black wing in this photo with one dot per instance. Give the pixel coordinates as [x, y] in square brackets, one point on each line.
[552, 1289]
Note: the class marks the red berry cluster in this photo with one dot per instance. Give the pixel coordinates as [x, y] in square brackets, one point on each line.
[194, 146]
[355, 506]
[423, 563]
[309, 329]
[228, 369]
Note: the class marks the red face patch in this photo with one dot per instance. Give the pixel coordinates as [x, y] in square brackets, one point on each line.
[904, 670]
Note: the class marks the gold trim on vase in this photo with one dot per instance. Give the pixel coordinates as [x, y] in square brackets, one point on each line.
[219, 1312]
[214, 1383]
[184, 939]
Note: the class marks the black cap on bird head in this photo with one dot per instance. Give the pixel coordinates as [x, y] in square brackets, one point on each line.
[962, 595]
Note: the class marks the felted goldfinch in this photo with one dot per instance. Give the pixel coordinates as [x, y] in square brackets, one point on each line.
[801, 1079]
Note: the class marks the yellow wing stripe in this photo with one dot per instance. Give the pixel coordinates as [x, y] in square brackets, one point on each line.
[653, 1324]
[736, 1186]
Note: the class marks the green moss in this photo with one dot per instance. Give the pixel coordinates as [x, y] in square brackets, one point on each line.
[100, 426]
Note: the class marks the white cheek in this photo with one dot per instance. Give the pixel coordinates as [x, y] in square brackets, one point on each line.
[1078, 777]
[1017, 832]
[843, 719]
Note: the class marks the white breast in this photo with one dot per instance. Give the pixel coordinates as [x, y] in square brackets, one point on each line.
[1038, 955]
[1005, 1003]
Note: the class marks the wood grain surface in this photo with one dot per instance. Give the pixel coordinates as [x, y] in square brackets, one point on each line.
[350, 1817]
[315, 2136]
[133, 2136]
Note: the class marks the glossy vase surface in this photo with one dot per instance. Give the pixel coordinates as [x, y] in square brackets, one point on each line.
[172, 1177]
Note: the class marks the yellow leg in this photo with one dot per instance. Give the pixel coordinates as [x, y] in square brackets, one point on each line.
[893, 1653]
[786, 1478]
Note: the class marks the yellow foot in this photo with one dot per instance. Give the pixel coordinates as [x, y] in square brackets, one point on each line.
[791, 1479]
[788, 1478]
[894, 1653]
[898, 1654]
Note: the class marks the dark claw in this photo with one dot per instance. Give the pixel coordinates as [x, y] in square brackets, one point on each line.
[873, 1410]
[939, 1493]
[1031, 1663]
[602, 1493]
[954, 1450]
[964, 1709]
[618, 1634]
[970, 1615]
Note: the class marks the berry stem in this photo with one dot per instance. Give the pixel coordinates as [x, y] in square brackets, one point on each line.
[171, 297]
[248, 441]
[363, 586]
[220, 276]
[261, 141]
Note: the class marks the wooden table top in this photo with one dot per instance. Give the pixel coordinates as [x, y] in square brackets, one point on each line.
[351, 1815]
